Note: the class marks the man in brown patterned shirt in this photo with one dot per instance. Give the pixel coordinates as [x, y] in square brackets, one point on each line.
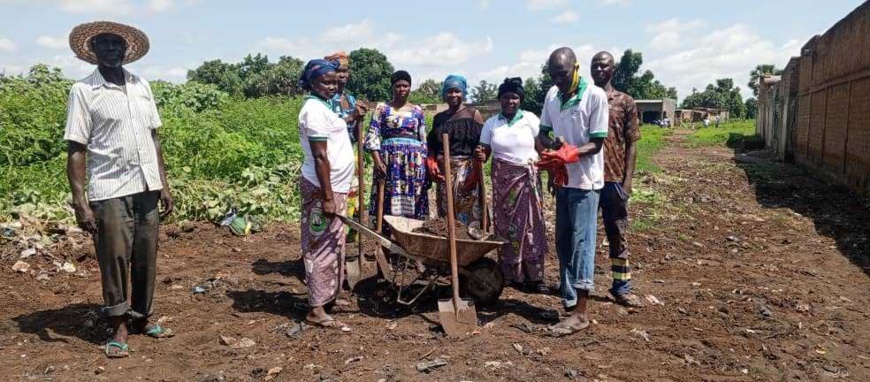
[620, 154]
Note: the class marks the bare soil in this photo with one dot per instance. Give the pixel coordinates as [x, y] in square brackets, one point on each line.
[760, 270]
[440, 227]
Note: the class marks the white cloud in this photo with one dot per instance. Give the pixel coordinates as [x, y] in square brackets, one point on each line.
[544, 4]
[729, 52]
[566, 17]
[614, 2]
[530, 62]
[431, 57]
[53, 42]
[160, 5]
[153, 73]
[668, 33]
[7, 45]
[348, 33]
[484, 4]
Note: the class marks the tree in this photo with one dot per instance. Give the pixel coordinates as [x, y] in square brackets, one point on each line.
[722, 95]
[759, 72]
[625, 71]
[751, 108]
[536, 90]
[645, 86]
[430, 88]
[221, 74]
[484, 91]
[370, 73]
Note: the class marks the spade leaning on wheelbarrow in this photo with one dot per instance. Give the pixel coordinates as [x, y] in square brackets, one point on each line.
[471, 273]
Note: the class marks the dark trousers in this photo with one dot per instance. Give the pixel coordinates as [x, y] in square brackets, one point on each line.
[614, 210]
[126, 244]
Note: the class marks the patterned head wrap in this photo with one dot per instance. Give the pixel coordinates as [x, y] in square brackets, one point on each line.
[454, 81]
[314, 70]
[341, 57]
[512, 85]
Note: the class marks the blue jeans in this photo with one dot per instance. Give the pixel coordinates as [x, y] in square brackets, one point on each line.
[576, 228]
[614, 211]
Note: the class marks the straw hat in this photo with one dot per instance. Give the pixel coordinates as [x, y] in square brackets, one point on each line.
[80, 40]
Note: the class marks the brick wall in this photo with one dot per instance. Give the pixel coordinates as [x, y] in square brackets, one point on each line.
[832, 128]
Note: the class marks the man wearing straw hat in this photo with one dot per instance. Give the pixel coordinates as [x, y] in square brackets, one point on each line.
[111, 131]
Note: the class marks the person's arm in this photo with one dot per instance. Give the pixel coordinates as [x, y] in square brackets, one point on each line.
[599, 121]
[632, 135]
[165, 195]
[544, 140]
[322, 169]
[77, 133]
[484, 147]
[75, 173]
[373, 141]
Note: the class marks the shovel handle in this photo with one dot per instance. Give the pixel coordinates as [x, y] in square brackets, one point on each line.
[361, 190]
[484, 212]
[380, 223]
[451, 229]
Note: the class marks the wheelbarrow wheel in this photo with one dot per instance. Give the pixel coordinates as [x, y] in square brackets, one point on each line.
[482, 281]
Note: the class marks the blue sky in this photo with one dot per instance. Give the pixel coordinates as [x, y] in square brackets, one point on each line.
[685, 43]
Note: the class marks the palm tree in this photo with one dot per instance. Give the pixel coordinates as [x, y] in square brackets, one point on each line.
[760, 71]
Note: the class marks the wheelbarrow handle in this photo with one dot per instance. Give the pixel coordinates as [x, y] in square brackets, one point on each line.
[383, 241]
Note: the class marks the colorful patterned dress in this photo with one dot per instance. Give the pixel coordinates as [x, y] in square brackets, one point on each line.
[464, 129]
[398, 136]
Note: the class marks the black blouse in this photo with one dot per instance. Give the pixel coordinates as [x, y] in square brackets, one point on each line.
[464, 128]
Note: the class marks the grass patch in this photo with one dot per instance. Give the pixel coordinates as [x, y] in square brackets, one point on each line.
[652, 140]
[731, 134]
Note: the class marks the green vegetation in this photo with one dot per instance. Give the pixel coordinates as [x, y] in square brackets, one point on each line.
[652, 139]
[731, 134]
[221, 150]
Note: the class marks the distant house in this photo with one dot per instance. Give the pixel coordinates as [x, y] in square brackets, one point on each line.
[651, 110]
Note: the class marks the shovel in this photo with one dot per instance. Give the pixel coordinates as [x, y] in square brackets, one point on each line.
[458, 317]
[352, 263]
[484, 210]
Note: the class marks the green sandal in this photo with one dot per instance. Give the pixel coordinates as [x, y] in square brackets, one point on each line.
[158, 331]
[123, 352]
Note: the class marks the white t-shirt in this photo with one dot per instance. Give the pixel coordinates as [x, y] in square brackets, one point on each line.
[512, 141]
[317, 122]
[584, 116]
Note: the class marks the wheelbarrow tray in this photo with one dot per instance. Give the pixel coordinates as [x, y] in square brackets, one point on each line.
[435, 250]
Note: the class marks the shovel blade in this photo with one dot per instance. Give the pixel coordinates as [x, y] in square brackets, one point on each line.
[352, 267]
[461, 324]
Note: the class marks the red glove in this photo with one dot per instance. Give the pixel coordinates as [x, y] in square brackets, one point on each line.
[555, 160]
[432, 167]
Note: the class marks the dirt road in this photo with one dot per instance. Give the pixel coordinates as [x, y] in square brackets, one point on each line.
[762, 273]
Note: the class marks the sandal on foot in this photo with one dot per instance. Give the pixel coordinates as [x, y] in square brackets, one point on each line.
[328, 323]
[628, 300]
[123, 350]
[157, 331]
[562, 329]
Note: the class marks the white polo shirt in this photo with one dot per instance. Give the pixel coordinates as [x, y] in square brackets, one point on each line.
[579, 119]
[512, 141]
[115, 123]
[318, 122]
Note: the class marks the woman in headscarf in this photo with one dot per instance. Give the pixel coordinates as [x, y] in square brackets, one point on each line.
[326, 176]
[395, 140]
[510, 137]
[463, 123]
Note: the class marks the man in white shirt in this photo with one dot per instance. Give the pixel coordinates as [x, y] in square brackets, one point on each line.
[111, 131]
[576, 111]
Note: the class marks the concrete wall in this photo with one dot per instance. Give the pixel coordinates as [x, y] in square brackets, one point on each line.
[832, 129]
[665, 107]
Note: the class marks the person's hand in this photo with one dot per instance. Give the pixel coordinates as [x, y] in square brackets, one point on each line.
[626, 187]
[480, 153]
[380, 167]
[329, 208]
[551, 184]
[85, 218]
[434, 170]
[359, 111]
[166, 201]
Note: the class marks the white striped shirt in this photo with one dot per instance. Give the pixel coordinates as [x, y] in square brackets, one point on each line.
[115, 123]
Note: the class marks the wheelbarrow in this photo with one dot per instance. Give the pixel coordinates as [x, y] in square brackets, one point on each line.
[480, 278]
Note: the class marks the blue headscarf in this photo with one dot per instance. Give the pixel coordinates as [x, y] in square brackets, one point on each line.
[314, 69]
[454, 81]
